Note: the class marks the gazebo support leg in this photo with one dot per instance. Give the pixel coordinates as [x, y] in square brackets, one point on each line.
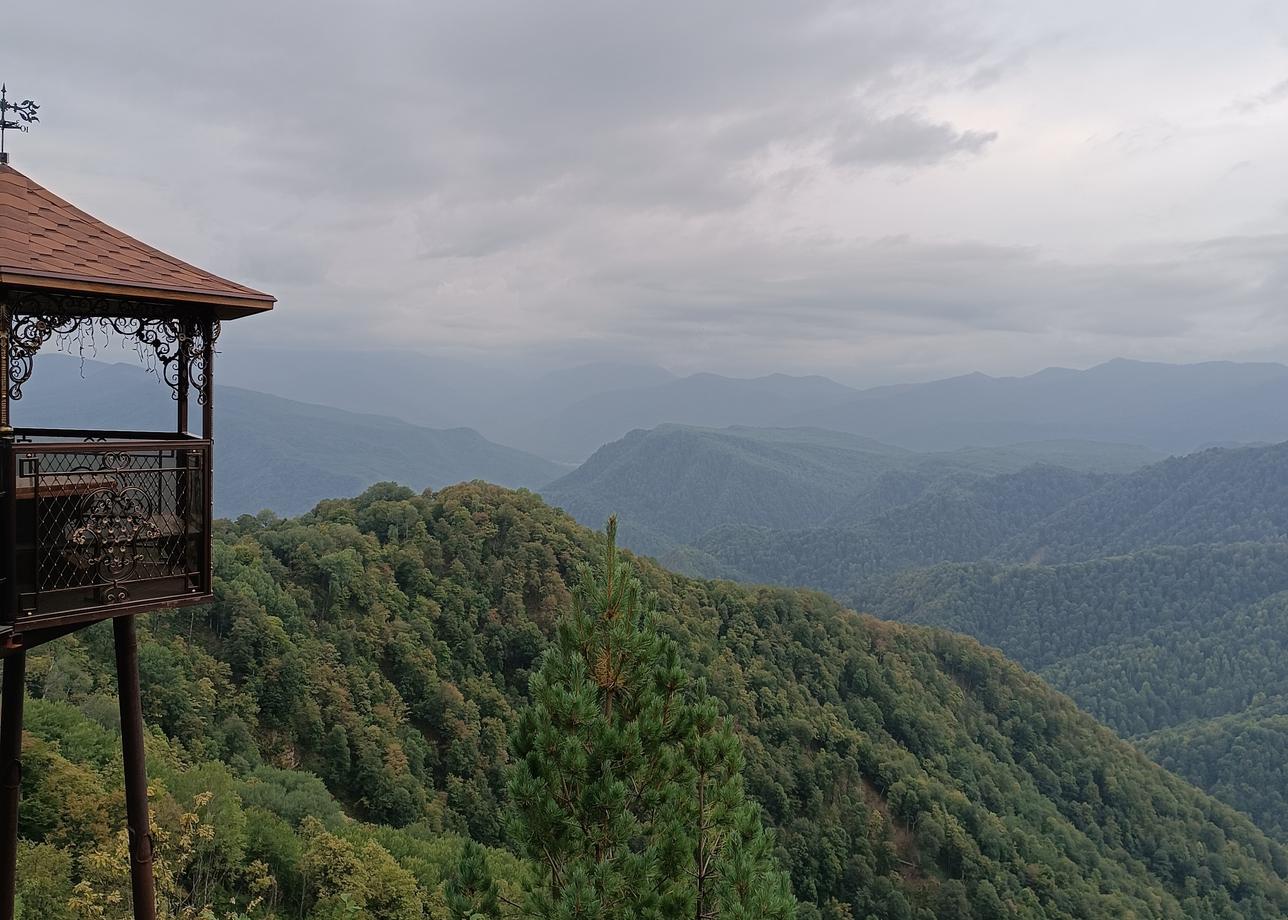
[136, 777]
[15, 672]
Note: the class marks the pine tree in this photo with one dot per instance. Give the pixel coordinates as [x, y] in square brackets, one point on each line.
[627, 785]
[471, 893]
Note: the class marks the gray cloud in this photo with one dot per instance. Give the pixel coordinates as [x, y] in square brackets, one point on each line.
[906, 139]
[1272, 96]
[743, 185]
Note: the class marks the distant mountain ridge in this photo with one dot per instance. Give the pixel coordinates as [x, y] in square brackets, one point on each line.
[1163, 406]
[577, 430]
[1220, 495]
[672, 484]
[1157, 599]
[566, 415]
[274, 453]
[1042, 514]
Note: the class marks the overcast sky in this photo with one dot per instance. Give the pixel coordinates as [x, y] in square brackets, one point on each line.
[876, 191]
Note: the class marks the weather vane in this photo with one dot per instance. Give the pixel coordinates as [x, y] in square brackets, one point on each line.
[24, 114]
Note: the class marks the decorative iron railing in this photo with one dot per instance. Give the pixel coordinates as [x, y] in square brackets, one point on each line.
[103, 523]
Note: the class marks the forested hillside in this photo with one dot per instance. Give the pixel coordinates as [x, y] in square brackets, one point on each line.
[670, 484]
[1214, 496]
[673, 484]
[385, 644]
[1181, 648]
[1043, 513]
[1240, 758]
[927, 519]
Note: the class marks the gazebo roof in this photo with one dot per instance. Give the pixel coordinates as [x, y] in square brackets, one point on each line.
[47, 244]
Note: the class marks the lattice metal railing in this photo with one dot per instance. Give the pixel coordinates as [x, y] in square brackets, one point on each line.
[109, 523]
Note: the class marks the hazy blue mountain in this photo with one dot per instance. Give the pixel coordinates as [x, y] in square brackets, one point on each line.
[1168, 407]
[575, 431]
[571, 385]
[422, 389]
[672, 484]
[1164, 407]
[272, 452]
[566, 414]
[504, 402]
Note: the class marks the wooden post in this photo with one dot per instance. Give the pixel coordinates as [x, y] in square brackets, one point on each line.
[142, 885]
[6, 428]
[15, 665]
[183, 473]
[11, 694]
[209, 330]
[184, 360]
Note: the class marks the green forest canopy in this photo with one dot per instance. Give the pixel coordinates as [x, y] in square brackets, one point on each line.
[333, 729]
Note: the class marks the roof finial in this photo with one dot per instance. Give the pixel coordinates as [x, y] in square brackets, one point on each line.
[25, 113]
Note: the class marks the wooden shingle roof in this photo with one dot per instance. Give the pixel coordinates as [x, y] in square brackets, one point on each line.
[48, 244]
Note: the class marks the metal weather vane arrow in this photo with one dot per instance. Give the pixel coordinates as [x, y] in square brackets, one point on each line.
[14, 116]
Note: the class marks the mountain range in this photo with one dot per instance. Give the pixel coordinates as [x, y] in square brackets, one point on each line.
[672, 484]
[566, 415]
[328, 735]
[274, 453]
[355, 681]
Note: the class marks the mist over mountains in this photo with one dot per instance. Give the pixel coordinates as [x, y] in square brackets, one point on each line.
[775, 450]
[568, 414]
[1075, 519]
[274, 453]
[674, 483]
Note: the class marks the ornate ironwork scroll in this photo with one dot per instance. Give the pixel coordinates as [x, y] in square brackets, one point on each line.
[170, 346]
[108, 534]
[27, 334]
[112, 520]
[24, 115]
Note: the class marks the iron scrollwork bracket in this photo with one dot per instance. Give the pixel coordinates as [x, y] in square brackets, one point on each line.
[178, 347]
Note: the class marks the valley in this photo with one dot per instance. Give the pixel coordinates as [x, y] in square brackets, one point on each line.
[351, 690]
[1143, 591]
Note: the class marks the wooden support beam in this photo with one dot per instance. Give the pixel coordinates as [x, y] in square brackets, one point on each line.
[11, 695]
[184, 363]
[6, 427]
[209, 331]
[142, 885]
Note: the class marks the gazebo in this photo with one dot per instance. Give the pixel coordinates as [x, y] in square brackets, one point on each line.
[99, 524]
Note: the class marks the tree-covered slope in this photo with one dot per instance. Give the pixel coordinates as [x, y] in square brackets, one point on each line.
[1214, 496]
[931, 519]
[385, 644]
[1182, 648]
[1240, 758]
[1044, 614]
[673, 484]
[1049, 514]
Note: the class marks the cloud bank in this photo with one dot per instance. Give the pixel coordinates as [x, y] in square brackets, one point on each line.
[870, 189]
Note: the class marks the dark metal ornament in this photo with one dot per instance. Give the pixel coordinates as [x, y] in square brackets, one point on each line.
[24, 114]
[169, 346]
